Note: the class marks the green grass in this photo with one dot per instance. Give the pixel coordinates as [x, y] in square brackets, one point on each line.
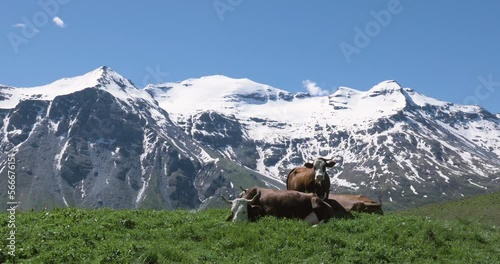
[149, 236]
[240, 176]
[480, 209]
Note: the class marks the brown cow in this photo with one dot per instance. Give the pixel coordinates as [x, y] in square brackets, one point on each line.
[357, 203]
[311, 178]
[338, 209]
[257, 202]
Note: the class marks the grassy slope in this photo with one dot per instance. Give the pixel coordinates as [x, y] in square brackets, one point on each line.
[482, 208]
[148, 236]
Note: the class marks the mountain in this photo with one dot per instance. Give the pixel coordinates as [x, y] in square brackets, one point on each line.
[390, 142]
[98, 141]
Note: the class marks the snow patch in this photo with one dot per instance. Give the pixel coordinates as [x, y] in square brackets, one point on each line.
[446, 178]
[342, 182]
[64, 200]
[82, 189]
[477, 185]
[59, 156]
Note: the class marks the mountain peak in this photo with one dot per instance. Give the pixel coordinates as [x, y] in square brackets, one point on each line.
[101, 78]
[203, 93]
[386, 87]
[105, 68]
[102, 70]
[105, 75]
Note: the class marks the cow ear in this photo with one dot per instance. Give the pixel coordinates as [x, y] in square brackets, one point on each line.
[331, 163]
[308, 165]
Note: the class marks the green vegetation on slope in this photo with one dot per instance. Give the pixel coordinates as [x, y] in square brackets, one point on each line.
[240, 176]
[149, 236]
[480, 209]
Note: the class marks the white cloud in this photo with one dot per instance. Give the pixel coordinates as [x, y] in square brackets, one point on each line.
[20, 25]
[58, 21]
[314, 89]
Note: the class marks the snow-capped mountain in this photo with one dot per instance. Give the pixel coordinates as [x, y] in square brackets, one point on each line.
[390, 142]
[101, 78]
[96, 140]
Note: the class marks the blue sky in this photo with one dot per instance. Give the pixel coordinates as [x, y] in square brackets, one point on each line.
[445, 49]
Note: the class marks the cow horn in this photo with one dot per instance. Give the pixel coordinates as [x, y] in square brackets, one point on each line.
[226, 200]
[245, 190]
[255, 198]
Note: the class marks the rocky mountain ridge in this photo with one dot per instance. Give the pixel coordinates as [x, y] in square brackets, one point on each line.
[97, 140]
[390, 142]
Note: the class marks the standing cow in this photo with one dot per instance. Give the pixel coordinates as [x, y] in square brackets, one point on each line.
[311, 178]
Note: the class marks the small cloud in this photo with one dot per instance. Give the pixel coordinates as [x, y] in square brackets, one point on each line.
[20, 25]
[58, 21]
[314, 89]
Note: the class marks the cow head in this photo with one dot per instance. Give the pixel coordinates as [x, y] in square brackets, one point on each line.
[243, 209]
[319, 166]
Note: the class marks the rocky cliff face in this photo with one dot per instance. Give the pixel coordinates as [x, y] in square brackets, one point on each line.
[106, 145]
[391, 143]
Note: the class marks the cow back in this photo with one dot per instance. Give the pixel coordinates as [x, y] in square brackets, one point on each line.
[299, 178]
[289, 204]
[357, 203]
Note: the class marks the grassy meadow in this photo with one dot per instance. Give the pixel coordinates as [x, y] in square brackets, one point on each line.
[149, 236]
[479, 209]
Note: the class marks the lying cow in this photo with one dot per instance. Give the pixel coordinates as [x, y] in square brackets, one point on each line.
[338, 209]
[357, 203]
[311, 178]
[258, 202]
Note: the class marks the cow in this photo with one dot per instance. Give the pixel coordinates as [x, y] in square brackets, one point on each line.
[311, 178]
[357, 203]
[258, 202]
[338, 209]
